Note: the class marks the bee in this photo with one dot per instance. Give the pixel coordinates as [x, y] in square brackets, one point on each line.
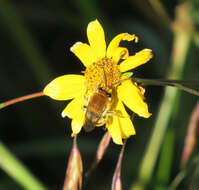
[99, 105]
[97, 110]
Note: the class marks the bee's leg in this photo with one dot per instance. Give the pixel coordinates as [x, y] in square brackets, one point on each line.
[85, 95]
[84, 107]
[120, 81]
[115, 113]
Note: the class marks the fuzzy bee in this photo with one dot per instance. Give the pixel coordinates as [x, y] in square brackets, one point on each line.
[99, 105]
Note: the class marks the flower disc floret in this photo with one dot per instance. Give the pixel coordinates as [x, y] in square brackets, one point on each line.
[102, 74]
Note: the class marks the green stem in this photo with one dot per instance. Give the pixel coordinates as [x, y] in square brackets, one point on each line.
[167, 108]
[184, 172]
[177, 180]
[172, 83]
[15, 169]
[166, 158]
[165, 82]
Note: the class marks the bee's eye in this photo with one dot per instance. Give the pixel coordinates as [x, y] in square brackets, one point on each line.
[100, 89]
[108, 95]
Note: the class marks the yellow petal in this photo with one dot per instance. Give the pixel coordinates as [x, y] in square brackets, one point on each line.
[132, 97]
[96, 38]
[126, 125]
[113, 127]
[76, 127]
[114, 44]
[120, 53]
[74, 110]
[138, 59]
[84, 52]
[65, 87]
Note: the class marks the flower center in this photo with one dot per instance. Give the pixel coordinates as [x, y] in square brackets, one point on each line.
[102, 74]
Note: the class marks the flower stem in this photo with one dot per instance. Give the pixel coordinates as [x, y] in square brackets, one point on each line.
[191, 136]
[21, 99]
[172, 83]
[117, 182]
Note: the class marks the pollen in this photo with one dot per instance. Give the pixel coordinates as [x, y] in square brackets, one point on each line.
[102, 74]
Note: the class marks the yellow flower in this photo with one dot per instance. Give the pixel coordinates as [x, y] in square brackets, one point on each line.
[103, 71]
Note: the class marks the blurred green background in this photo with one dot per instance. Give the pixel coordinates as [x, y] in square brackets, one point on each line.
[35, 41]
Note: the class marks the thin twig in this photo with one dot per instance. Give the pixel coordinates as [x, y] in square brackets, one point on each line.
[190, 139]
[116, 182]
[172, 83]
[21, 99]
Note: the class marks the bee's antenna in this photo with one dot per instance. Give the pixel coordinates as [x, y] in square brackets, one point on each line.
[105, 79]
[120, 81]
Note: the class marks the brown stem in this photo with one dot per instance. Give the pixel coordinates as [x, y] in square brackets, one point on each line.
[21, 99]
[190, 139]
[173, 83]
[116, 182]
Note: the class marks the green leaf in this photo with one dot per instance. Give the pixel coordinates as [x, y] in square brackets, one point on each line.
[127, 74]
